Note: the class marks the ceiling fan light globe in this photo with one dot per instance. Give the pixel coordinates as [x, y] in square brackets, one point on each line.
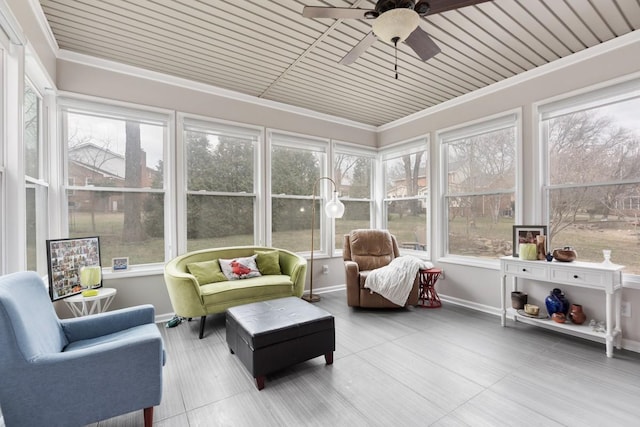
[396, 23]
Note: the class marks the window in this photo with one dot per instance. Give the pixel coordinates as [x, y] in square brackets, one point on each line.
[479, 180]
[592, 189]
[296, 163]
[36, 187]
[222, 184]
[4, 42]
[353, 174]
[115, 161]
[406, 194]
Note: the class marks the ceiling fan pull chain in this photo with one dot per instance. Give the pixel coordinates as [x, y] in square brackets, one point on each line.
[395, 46]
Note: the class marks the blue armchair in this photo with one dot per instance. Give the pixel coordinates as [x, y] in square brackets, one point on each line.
[78, 371]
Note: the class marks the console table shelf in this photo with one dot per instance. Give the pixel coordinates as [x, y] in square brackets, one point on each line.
[604, 277]
[584, 330]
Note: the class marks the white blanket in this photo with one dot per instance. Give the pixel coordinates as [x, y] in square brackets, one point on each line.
[395, 280]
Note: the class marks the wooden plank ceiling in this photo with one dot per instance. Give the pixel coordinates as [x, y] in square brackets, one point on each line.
[267, 49]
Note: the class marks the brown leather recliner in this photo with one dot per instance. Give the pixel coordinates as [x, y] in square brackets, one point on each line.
[365, 250]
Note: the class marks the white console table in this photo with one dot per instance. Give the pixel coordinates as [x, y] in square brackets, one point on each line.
[607, 278]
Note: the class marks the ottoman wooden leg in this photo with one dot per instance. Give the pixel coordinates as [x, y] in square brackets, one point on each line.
[260, 382]
[328, 358]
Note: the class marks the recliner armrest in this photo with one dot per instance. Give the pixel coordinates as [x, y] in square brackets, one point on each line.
[81, 328]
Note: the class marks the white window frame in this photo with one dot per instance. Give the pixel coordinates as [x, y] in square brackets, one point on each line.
[606, 93]
[411, 146]
[298, 141]
[444, 136]
[88, 105]
[39, 184]
[339, 147]
[208, 125]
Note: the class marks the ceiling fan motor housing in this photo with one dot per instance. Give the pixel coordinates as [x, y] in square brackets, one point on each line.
[385, 5]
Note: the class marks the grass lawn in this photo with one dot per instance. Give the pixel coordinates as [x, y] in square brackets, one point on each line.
[481, 238]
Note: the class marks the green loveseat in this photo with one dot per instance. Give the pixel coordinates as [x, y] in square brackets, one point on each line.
[190, 298]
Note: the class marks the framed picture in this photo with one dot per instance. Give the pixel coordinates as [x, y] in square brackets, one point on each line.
[526, 234]
[65, 258]
[120, 264]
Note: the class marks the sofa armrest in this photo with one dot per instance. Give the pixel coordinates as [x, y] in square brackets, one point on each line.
[294, 266]
[352, 278]
[82, 328]
[184, 289]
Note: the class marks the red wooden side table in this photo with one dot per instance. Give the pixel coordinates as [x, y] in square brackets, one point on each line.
[427, 295]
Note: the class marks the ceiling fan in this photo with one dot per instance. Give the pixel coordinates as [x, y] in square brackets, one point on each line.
[394, 21]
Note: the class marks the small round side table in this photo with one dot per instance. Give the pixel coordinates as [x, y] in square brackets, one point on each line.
[428, 296]
[82, 306]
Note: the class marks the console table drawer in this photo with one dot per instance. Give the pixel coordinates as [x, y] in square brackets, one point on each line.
[526, 270]
[580, 277]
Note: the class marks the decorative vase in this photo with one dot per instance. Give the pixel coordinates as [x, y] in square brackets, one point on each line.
[558, 317]
[556, 302]
[576, 315]
[518, 299]
[541, 247]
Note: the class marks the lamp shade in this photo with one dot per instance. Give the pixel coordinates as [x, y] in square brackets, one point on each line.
[90, 276]
[334, 208]
[395, 23]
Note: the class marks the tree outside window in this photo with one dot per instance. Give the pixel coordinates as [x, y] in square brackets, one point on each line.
[115, 161]
[294, 171]
[593, 180]
[352, 173]
[406, 196]
[480, 171]
[35, 186]
[221, 195]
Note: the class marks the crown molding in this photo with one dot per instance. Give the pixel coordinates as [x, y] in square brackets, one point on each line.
[608, 46]
[118, 67]
[36, 7]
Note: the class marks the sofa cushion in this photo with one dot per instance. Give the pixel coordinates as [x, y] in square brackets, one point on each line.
[250, 290]
[206, 271]
[240, 268]
[268, 262]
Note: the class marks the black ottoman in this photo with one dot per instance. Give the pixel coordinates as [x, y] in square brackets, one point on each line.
[271, 335]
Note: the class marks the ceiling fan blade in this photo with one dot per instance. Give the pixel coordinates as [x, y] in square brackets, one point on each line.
[439, 6]
[422, 44]
[359, 49]
[333, 12]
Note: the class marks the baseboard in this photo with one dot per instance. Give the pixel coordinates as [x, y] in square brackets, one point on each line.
[326, 289]
[162, 318]
[631, 345]
[472, 305]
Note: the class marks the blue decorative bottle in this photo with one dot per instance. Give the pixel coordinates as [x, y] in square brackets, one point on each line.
[556, 302]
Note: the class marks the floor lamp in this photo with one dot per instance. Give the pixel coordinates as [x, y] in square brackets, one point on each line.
[334, 209]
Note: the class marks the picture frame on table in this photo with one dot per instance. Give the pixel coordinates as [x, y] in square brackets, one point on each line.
[526, 234]
[65, 259]
[120, 263]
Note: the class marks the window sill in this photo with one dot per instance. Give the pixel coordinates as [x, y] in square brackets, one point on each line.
[134, 271]
[491, 264]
